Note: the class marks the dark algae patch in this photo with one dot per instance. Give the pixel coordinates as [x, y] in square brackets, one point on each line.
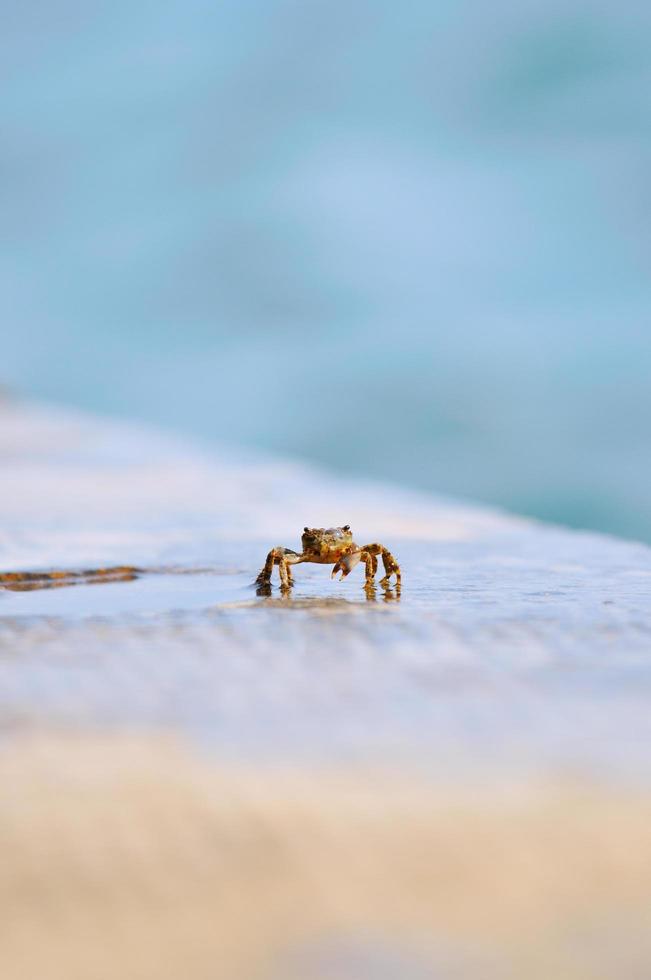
[56, 578]
[59, 577]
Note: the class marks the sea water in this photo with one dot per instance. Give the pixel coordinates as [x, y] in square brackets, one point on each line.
[408, 243]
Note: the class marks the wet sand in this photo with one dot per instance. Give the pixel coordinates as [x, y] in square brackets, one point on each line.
[449, 781]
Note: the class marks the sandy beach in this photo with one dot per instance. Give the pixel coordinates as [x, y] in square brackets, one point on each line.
[450, 781]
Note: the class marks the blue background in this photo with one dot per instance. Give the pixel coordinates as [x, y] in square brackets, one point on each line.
[407, 240]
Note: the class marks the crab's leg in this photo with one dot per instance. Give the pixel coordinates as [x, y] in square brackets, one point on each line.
[274, 557]
[290, 558]
[265, 575]
[371, 569]
[391, 566]
[283, 557]
[286, 580]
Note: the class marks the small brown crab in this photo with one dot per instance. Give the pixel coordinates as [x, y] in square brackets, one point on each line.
[330, 546]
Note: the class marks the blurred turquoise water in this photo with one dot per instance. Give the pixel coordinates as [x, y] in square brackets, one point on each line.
[409, 241]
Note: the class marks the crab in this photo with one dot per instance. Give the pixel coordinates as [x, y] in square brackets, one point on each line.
[330, 546]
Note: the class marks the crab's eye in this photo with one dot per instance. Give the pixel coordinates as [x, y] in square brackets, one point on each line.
[306, 529]
[346, 527]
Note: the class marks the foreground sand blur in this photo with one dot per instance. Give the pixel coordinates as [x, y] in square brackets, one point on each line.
[133, 858]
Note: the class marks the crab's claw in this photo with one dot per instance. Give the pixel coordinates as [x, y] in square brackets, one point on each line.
[346, 564]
